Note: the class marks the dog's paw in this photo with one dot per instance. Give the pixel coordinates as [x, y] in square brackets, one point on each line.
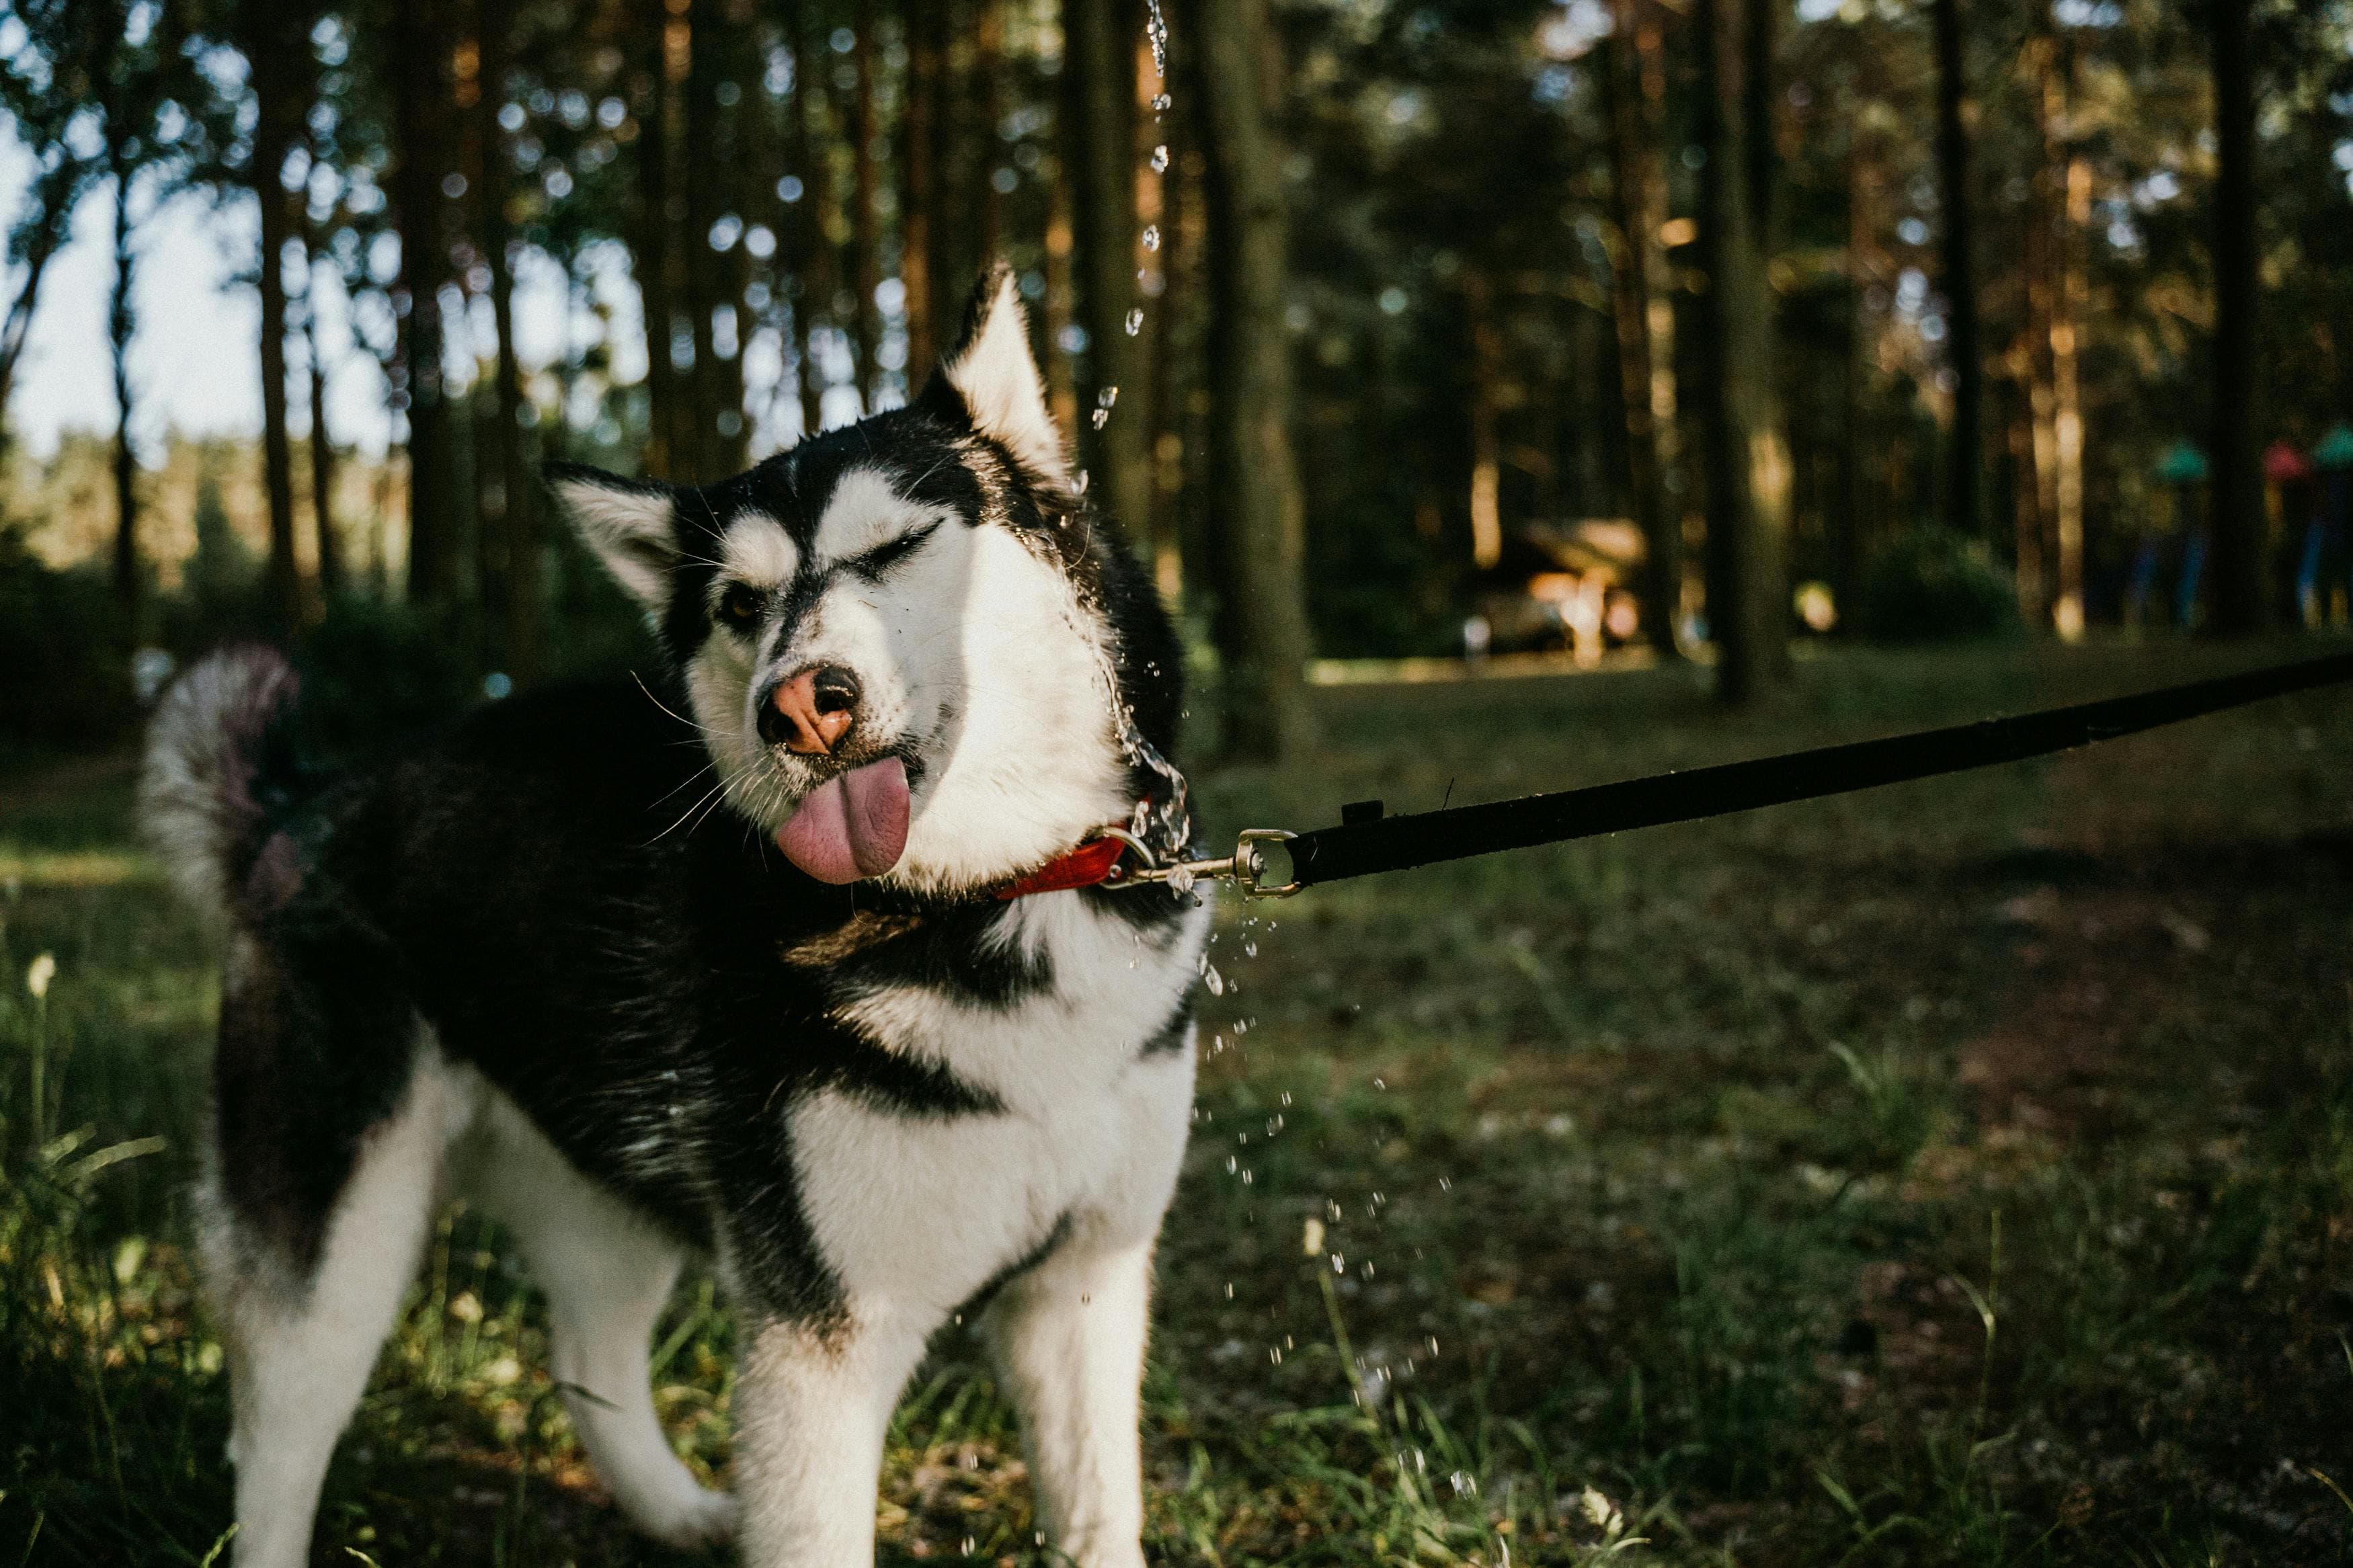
[700, 1518]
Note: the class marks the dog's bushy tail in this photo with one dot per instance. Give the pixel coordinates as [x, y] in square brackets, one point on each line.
[209, 773]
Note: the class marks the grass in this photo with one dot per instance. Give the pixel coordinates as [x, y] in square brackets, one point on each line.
[1956, 1174]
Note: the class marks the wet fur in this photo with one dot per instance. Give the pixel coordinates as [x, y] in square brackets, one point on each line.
[553, 961]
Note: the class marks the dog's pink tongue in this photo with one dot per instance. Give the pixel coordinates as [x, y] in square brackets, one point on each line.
[852, 827]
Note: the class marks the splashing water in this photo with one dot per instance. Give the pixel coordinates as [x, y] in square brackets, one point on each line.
[1135, 320]
[1160, 103]
[1151, 236]
[1160, 159]
[1156, 31]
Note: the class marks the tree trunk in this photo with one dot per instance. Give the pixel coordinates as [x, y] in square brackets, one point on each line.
[989, 105]
[119, 322]
[1167, 326]
[920, 139]
[518, 552]
[1965, 465]
[1055, 321]
[1099, 156]
[1255, 506]
[323, 446]
[275, 52]
[56, 194]
[2242, 596]
[865, 222]
[420, 102]
[2067, 402]
[2026, 507]
[1771, 472]
[1486, 464]
[814, 254]
[669, 452]
[1747, 473]
[1634, 192]
[718, 377]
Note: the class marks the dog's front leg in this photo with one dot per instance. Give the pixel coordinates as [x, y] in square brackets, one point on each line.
[814, 1401]
[1069, 1336]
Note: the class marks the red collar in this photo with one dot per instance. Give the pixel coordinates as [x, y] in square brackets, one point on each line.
[1088, 866]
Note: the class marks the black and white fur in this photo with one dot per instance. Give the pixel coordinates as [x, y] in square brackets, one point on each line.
[554, 962]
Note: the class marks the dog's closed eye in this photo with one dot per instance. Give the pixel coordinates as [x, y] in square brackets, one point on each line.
[873, 563]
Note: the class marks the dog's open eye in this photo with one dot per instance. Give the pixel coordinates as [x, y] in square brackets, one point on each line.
[741, 605]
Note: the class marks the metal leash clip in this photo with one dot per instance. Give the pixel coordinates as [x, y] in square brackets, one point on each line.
[1245, 868]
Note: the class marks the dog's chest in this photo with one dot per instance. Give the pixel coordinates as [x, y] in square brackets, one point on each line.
[1087, 1085]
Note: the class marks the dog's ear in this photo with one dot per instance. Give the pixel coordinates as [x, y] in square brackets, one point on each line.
[631, 525]
[990, 380]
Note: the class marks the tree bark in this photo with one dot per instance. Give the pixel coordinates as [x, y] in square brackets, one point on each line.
[921, 140]
[1486, 457]
[989, 106]
[275, 49]
[812, 239]
[2241, 593]
[1054, 317]
[518, 553]
[710, 280]
[1255, 506]
[1964, 463]
[420, 101]
[2067, 400]
[670, 448]
[1099, 153]
[1746, 468]
[323, 446]
[1634, 189]
[120, 323]
[57, 193]
[865, 222]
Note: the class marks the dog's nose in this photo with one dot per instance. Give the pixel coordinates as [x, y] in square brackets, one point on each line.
[811, 712]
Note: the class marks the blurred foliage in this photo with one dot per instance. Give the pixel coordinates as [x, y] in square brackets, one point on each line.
[64, 666]
[1930, 585]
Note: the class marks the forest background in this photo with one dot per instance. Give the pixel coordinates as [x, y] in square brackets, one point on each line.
[1688, 327]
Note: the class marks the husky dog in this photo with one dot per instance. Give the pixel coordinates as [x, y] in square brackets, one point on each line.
[728, 964]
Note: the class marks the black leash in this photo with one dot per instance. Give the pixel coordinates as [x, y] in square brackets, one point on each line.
[1365, 842]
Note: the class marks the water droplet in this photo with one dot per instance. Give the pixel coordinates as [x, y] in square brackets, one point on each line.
[1249, 950]
[1101, 417]
[1378, 1084]
[1151, 236]
[1233, 1164]
[970, 1546]
[1286, 1097]
[1106, 397]
[1229, 1289]
[1135, 320]
[1160, 159]
[1215, 981]
[1156, 33]
[1462, 1483]
[1160, 101]
[1246, 1178]
[1339, 1264]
